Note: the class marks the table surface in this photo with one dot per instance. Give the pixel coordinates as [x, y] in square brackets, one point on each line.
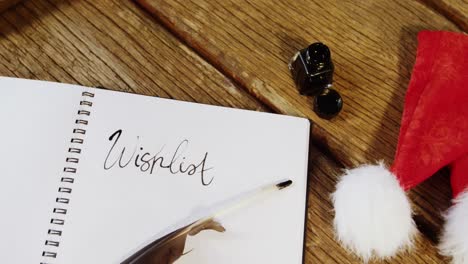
[234, 53]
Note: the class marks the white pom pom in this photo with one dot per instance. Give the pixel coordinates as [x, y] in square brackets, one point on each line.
[372, 213]
[454, 242]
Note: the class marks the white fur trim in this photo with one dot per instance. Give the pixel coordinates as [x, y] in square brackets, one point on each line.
[372, 213]
[454, 242]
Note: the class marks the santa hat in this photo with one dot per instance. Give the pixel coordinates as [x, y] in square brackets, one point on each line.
[373, 215]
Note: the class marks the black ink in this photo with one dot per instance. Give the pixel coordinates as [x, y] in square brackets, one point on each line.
[203, 170]
[283, 185]
[136, 159]
[117, 133]
[149, 163]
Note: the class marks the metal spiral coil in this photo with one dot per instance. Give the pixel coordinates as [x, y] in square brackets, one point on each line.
[57, 221]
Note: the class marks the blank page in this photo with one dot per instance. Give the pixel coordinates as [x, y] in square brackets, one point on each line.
[37, 122]
[149, 164]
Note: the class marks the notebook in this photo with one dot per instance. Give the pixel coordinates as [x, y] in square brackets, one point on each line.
[92, 175]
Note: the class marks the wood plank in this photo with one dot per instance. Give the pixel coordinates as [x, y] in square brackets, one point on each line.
[321, 246]
[455, 10]
[112, 44]
[373, 47]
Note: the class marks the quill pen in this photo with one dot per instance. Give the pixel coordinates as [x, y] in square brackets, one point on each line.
[169, 248]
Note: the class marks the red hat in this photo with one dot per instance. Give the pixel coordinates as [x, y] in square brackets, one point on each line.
[373, 215]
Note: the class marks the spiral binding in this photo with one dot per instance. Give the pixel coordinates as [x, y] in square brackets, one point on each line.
[62, 200]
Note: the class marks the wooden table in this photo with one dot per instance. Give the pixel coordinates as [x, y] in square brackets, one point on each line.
[235, 53]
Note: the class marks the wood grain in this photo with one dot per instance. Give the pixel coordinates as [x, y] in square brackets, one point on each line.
[455, 10]
[111, 44]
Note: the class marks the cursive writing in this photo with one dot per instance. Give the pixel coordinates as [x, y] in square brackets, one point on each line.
[119, 156]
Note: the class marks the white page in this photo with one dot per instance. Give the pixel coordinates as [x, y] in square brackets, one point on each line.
[37, 119]
[116, 211]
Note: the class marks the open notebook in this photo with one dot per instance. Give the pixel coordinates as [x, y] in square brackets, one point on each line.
[90, 176]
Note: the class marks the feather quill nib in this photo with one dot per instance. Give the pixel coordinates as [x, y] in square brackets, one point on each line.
[283, 184]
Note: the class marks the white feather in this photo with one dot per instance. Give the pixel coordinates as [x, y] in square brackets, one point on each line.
[454, 242]
[373, 216]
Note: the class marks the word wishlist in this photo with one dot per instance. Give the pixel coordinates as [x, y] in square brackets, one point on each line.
[174, 162]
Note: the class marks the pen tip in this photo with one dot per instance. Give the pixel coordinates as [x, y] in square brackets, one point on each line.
[283, 184]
